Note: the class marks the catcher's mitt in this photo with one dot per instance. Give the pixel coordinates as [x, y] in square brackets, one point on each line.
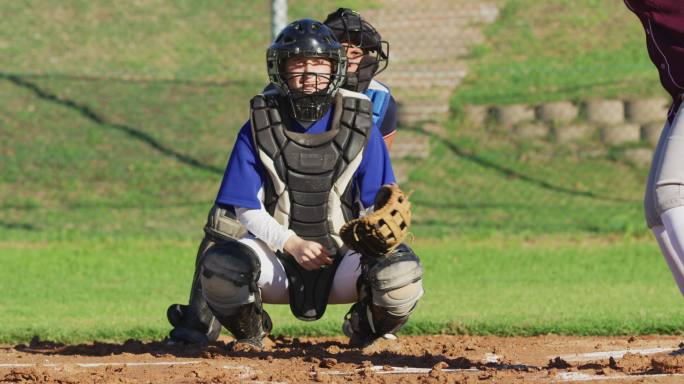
[380, 232]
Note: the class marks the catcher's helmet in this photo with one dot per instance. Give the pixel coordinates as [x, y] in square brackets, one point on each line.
[307, 38]
[349, 27]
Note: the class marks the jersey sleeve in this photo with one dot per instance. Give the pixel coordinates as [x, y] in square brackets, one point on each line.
[663, 22]
[389, 122]
[244, 175]
[375, 169]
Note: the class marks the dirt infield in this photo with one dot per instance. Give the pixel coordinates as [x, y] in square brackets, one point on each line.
[428, 359]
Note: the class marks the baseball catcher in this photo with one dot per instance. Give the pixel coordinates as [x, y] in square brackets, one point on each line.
[308, 169]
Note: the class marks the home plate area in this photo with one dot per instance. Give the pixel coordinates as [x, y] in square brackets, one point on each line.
[418, 359]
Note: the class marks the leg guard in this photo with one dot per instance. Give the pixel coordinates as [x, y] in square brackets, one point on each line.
[195, 323]
[229, 273]
[389, 289]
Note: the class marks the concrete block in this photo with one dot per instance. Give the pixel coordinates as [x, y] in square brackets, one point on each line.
[605, 111]
[510, 115]
[647, 110]
[475, 114]
[573, 133]
[620, 134]
[535, 130]
[640, 157]
[650, 133]
[558, 111]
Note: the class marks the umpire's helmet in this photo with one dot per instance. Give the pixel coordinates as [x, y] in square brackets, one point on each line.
[307, 38]
[349, 27]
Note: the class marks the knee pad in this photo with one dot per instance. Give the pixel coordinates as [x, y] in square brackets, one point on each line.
[396, 282]
[228, 274]
[669, 194]
[223, 226]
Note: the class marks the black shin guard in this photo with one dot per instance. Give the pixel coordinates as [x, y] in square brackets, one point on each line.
[194, 323]
[229, 273]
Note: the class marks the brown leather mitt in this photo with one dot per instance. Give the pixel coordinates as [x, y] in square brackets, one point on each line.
[380, 232]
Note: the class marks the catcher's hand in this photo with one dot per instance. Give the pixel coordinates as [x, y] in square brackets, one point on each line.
[380, 232]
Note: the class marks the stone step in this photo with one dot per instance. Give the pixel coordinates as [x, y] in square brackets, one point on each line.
[417, 11]
[440, 37]
[418, 65]
[424, 79]
[426, 53]
[431, 94]
[414, 112]
[410, 145]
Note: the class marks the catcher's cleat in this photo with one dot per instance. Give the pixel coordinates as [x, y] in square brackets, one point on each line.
[175, 314]
[249, 341]
[360, 340]
[184, 332]
[361, 330]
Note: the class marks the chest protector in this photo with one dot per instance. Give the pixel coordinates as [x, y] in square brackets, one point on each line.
[379, 95]
[309, 188]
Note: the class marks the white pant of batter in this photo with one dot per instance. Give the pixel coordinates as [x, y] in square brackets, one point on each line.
[664, 199]
[274, 284]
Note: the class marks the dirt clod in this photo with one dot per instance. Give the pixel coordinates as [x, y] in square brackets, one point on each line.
[558, 363]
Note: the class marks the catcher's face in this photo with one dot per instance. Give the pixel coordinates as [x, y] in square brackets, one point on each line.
[354, 56]
[307, 74]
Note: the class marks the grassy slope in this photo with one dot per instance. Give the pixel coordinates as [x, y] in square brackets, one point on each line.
[105, 185]
[189, 40]
[560, 50]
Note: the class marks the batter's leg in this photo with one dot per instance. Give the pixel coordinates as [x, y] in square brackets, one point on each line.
[671, 256]
[666, 181]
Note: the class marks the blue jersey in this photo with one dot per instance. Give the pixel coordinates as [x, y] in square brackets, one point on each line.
[384, 107]
[245, 175]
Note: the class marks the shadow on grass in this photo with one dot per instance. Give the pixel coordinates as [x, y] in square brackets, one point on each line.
[67, 76]
[510, 172]
[22, 226]
[98, 119]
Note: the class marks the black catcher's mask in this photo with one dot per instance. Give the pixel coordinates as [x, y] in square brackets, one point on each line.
[307, 39]
[350, 28]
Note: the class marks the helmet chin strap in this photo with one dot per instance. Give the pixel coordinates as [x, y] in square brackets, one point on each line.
[360, 80]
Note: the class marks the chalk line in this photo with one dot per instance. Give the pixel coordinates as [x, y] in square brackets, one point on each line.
[614, 354]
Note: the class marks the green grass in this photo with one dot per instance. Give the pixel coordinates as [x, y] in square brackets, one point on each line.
[512, 285]
[559, 50]
[211, 40]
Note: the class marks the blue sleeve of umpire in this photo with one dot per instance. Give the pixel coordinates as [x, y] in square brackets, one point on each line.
[389, 122]
[375, 169]
[244, 174]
